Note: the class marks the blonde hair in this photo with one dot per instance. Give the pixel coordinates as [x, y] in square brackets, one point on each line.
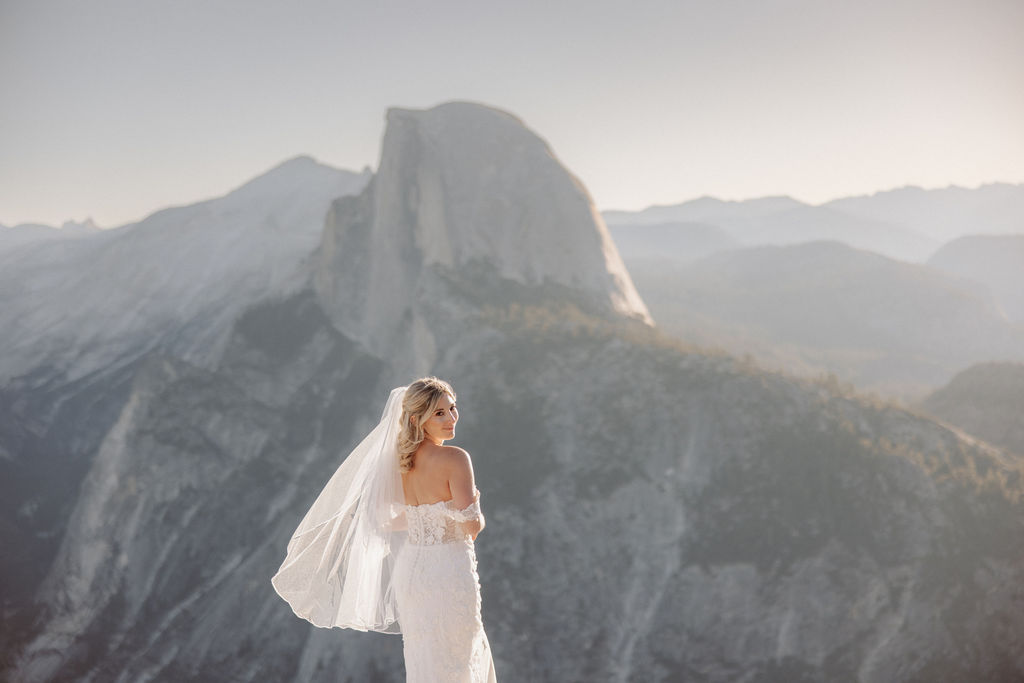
[419, 401]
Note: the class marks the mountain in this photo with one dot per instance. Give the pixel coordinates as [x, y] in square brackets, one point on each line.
[676, 242]
[29, 233]
[704, 209]
[174, 281]
[81, 316]
[907, 224]
[987, 401]
[944, 214]
[782, 221]
[888, 326]
[654, 513]
[997, 261]
[462, 193]
[820, 223]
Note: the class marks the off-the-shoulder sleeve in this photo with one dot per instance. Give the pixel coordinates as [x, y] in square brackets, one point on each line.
[470, 513]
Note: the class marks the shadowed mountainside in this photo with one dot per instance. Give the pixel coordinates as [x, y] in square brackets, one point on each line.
[887, 326]
[670, 242]
[986, 401]
[996, 261]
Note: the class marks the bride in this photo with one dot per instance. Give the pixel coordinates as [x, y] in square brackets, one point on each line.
[388, 544]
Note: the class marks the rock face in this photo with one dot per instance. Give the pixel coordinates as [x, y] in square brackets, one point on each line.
[81, 314]
[653, 513]
[177, 521]
[462, 188]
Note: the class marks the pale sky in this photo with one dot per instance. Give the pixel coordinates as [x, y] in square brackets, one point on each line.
[117, 108]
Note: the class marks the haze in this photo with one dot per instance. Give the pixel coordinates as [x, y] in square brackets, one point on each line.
[113, 109]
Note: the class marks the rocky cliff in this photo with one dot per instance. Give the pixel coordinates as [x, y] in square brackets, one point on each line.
[463, 193]
[654, 513]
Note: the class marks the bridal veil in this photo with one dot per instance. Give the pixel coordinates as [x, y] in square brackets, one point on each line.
[340, 561]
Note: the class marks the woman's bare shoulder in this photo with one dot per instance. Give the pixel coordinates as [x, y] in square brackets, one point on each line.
[454, 455]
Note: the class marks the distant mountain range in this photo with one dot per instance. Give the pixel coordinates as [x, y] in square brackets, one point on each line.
[29, 233]
[908, 224]
[945, 214]
[892, 306]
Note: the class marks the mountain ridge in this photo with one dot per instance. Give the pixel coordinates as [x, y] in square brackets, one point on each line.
[255, 239]
[908, 223]
[816, 307]
[787, 201]
[995, 261]
[986, 400]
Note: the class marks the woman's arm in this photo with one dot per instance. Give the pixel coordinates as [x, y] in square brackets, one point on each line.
[463, 488]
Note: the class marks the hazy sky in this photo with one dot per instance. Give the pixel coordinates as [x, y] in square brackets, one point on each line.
[116, 108]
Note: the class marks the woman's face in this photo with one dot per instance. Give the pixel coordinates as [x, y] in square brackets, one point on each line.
[439, 426]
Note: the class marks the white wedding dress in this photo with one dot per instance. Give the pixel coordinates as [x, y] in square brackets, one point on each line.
[363, 559]
[437, 591]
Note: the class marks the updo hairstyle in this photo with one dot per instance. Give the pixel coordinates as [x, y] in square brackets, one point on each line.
[420, 400]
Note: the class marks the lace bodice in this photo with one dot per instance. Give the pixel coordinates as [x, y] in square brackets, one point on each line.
[436, 523]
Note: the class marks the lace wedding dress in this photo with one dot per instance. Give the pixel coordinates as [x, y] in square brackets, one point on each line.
[437, 591]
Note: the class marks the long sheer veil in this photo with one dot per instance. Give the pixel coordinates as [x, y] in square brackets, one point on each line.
[340, 560]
